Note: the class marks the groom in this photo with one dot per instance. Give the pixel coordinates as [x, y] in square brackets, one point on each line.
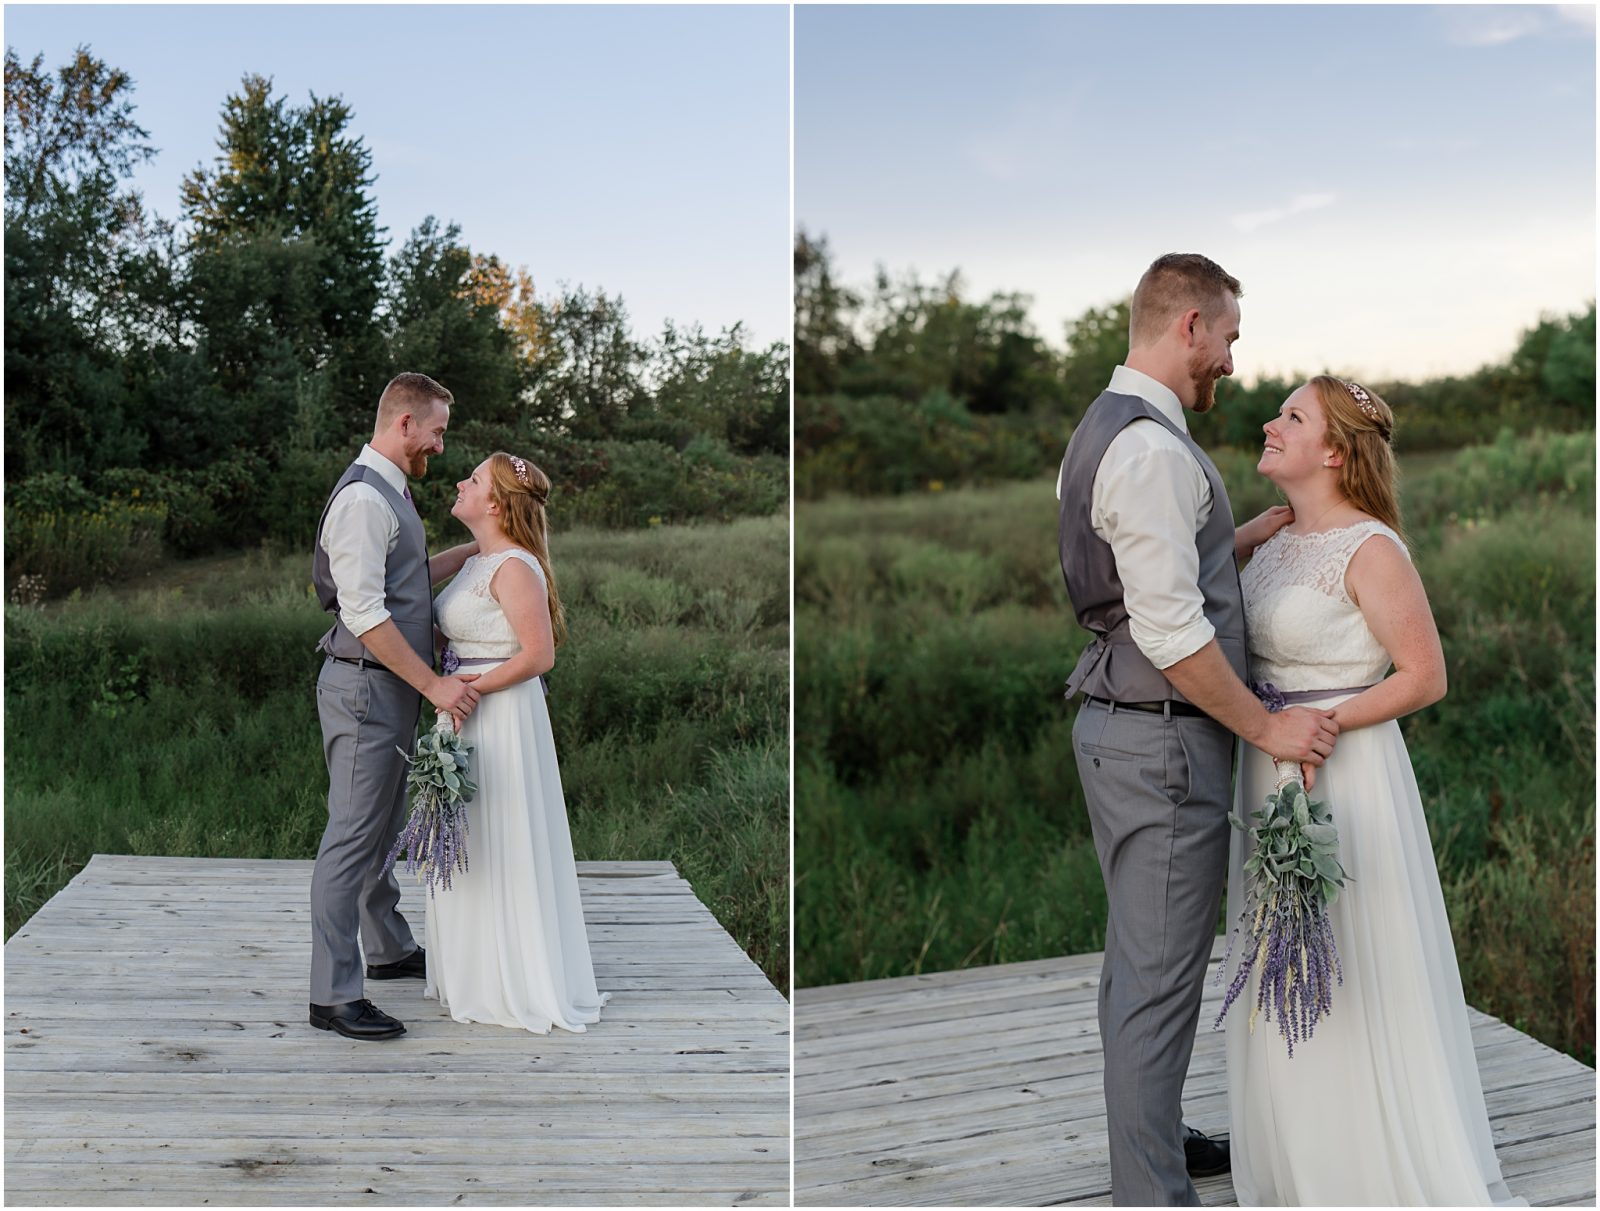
[1149, 551]
[372, 572]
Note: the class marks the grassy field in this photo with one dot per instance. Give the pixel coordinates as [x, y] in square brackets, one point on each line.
[939, 820]
[177, 716]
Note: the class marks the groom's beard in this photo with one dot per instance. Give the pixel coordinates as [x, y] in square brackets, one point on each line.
[1205, 379]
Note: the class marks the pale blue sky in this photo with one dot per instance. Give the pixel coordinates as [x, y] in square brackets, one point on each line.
[1401, 190]
[642, 150]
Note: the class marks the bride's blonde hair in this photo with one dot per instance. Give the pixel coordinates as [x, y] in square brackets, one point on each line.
[522, 492]
[1361, 427]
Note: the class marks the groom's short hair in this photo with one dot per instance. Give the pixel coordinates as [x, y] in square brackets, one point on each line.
[1172, 285]
[413, 393]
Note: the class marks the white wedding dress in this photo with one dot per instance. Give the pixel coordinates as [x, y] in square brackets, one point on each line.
[1383, 1105]
[506, 944]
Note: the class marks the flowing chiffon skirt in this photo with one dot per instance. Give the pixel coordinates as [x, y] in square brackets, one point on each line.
[506, 944]
[1383, 1105]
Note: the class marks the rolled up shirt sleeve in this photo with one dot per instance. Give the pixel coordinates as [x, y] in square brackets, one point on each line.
[357, 536]
[1148, 508]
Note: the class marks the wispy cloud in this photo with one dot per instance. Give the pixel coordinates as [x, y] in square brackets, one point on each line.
[1581, 15]
[1485, 25]
[1492, 26]
[1254, 219]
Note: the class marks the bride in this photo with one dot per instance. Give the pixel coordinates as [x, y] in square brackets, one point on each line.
[1383, 1105]
[506, 944]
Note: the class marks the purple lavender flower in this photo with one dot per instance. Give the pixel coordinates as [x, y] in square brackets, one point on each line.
[434, 839]
[1271, 696]
[1292, 878]
[449, 661]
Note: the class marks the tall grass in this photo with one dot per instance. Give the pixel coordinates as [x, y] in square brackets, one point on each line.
[177, 716]
[939, 818]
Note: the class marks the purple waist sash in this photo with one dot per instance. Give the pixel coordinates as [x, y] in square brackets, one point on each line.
[450, 662]
[1275, 699]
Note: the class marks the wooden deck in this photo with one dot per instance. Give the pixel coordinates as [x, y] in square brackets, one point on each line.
[983, 1087]
[158, 1054]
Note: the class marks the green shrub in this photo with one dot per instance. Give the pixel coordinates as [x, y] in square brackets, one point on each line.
[881, 444]
[1526, 916]
[111, 540]
[651, 483]
[628, 596]
[207, 508]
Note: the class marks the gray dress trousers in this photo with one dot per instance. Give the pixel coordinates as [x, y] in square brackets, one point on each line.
[367, 715]
[1158, 792]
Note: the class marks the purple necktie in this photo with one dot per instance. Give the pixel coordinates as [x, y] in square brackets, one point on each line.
[413, 503]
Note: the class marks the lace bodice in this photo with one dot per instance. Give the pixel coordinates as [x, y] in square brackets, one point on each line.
[1304, 631]
[470, 617]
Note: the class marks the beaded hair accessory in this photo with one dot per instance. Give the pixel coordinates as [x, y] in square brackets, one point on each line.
[521, 468]
[1363, 400]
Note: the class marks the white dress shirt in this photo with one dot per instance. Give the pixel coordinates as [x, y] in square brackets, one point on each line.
[358, 535]
[1150, 499]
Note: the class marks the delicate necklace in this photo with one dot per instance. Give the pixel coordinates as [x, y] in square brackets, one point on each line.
[1284, 550]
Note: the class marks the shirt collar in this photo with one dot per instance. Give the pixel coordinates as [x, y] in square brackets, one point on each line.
[1126, 381]
[384, 466]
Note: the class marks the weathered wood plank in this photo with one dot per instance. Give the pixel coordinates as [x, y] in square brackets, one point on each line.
[157, 1053]
[273, 1167]
[984, 1087]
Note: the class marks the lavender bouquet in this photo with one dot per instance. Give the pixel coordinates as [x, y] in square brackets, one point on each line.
[434, 839]
[1292, 878]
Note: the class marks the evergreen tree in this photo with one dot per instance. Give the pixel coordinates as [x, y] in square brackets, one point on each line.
[82, 267]
[287, 256]
[443, 309]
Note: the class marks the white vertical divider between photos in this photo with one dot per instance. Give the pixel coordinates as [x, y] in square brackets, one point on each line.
[789, 256]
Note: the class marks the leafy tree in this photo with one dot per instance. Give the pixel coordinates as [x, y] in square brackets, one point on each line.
[909, 338]
[64, 130]
[586, 370]
[1559, 355]
[923, 337]
[1096, 344]
[715, 386]
[824, 340]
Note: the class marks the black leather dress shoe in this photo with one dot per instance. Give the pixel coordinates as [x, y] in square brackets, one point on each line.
[413, 967]
[357, 1020]
[1204, 1156]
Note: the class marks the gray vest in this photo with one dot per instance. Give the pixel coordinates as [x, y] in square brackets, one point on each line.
[407, 590]
[1112, 666]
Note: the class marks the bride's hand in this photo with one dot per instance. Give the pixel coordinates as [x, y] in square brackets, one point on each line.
[455, 695]
[1260, 528]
